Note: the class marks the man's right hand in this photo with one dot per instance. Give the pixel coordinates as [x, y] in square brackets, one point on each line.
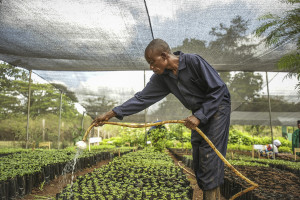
[104, 117]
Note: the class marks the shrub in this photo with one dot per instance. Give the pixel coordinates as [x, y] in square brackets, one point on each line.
[284, 149]
[158, 138]
[117, 141]
[244, 138]
[187, 145]
[239, 147]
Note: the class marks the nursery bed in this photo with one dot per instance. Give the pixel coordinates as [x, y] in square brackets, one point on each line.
[274, 182]
[198, 193]
[50, 190]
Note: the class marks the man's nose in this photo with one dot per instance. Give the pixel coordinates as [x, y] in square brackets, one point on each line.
[151, 67]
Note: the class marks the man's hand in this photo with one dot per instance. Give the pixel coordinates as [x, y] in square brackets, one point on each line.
[191, 122]
[104, 117]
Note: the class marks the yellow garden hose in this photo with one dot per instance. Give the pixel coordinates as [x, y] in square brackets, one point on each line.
[254, 185]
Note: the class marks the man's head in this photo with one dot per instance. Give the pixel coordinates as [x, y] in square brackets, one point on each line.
[156, 54]
[277, 143]
[298, 123]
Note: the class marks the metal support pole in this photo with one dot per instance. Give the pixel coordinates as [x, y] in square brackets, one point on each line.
[28, 109]
[43, 123]
[270, 116]
[145, 116]
[82, 119]
[59, 124]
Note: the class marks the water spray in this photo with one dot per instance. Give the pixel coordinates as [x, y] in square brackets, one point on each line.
[81, 145]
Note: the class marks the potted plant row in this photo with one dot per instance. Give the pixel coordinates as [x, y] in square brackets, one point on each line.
[137, 175]
[22, 171]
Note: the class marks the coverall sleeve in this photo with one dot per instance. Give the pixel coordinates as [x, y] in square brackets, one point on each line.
[215, 89]
[154, 91]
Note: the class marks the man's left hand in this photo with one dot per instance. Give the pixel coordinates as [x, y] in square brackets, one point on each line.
[191, 122]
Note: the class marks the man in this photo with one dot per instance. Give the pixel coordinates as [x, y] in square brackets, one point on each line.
[295, 138]
[200, 89]
[269, 148]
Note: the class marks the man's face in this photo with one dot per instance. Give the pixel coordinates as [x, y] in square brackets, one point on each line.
[156, 61]
[299, 125]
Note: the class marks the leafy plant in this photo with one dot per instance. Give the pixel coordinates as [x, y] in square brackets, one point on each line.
[138, 175]
[281, 29]
[158, 138]
[41, 188]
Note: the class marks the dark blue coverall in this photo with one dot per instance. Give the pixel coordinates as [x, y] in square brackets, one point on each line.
[200, 89]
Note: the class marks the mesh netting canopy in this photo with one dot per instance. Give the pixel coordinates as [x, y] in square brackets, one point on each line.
[112, 35]
[70, 42]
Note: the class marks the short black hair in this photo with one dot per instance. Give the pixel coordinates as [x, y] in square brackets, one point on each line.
[158, 44]
[298, 122]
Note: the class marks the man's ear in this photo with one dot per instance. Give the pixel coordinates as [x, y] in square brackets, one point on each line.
[164, 55]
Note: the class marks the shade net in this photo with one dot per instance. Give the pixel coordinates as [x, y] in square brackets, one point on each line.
[93, 52]
[112, 35]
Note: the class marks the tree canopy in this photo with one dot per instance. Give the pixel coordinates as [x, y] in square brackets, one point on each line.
[280, 29]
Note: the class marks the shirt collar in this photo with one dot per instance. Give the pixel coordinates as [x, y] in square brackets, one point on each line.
[181, 60]
[180, 67]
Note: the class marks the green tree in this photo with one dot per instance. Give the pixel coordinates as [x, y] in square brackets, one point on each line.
[171, 108]
[44, 105]
[10, 78]
[282, 29]
[98, 105]
[44, 98]
[231, 44]
[66, 91]
[231, 47]
[244, 87]
[8, 73]
[135, 136]
[261, 104]
[193, 46]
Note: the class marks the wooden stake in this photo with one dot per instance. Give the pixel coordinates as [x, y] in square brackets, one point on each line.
[295, 151]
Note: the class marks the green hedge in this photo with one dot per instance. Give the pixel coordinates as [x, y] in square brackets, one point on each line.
[238, 140]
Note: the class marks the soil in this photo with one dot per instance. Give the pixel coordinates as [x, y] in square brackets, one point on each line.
[273, 183]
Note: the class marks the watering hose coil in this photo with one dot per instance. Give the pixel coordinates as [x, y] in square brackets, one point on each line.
[254, 185]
